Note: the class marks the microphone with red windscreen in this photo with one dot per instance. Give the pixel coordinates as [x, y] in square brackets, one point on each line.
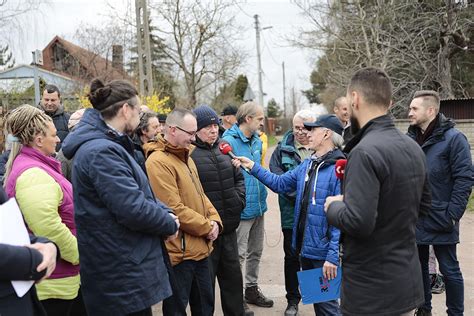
[339, 170]
[226, 149]
[340, 167]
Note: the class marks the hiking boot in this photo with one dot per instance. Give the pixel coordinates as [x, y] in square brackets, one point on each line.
[437, 284]
[247, 311]
[291, 310]
[253, 295]
[422, 312]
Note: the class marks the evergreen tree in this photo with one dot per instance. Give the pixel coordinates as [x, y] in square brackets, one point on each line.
[6, 58]
[273, 109]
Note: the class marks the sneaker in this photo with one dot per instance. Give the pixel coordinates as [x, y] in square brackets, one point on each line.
[291, 310]
[247, 311]
[437, 284]
[253, 295]
[422, 312]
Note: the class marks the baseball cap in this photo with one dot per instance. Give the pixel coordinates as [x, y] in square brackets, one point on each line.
[329, 121]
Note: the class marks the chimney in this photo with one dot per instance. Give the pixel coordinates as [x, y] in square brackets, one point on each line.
[117, 57]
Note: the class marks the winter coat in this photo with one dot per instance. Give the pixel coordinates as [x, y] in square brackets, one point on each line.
[285, 157]
[60, 121]
[255, 192]
[120, 225]
[175, 181]
[222, 183]
[385, 187]
[45, 198]
[19, 263]
[320, 240]
[448, 156]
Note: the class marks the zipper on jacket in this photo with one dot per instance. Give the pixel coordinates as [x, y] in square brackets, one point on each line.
[306, 219]
[219, 175]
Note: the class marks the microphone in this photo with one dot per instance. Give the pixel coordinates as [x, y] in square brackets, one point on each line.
[340, 167]
[339, 170]
[226, 149]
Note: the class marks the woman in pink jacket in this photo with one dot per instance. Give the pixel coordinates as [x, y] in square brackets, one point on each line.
[45, 198]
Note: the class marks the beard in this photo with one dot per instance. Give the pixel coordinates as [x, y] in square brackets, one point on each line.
[355, 126]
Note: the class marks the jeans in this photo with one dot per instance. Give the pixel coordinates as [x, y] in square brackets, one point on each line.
[193, 280]
[291, 267]
[224, 264]
[250, 234]
[449, 268]
[330, 308]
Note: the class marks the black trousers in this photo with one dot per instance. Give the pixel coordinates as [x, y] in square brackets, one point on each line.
[57, 307]
[224, 264]
[292, 265]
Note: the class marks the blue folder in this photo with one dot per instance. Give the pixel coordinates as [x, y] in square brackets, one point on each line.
[316, 289]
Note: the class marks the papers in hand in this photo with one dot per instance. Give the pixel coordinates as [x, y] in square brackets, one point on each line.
[316, 289]
[13, 232]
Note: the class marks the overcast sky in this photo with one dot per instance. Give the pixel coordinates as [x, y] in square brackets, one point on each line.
[63, 18]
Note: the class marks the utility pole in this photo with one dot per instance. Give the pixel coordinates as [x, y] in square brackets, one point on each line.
[293, 99]
[144, 51]
[37, 60]
[284, 90]
[259, 62]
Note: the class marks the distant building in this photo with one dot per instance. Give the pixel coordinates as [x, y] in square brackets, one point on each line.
[63, 57]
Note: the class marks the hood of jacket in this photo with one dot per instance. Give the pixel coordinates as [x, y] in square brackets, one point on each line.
[92, 126]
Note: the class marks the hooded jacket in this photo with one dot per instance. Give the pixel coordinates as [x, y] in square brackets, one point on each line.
[385, 189]
[175, 181]
[320, 241]
[450, 177]
[222, 183]
[120, 225]
[255, 192]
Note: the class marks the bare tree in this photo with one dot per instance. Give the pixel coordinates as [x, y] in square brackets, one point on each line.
[414, 41]
[199, 37]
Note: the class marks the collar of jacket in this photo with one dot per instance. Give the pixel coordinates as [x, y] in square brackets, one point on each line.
[288, 143]
[199, 143]
[378, 123]
[161, 144]
[37, 155]
[443, 125]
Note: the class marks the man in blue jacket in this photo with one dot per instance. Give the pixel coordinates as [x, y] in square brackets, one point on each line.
[450, 177]
[120, 224]
[314, 240]
[244, 140]
[290, 152]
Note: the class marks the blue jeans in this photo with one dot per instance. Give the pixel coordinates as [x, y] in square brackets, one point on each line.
[449, 268]
[194, 285]
[330, 308]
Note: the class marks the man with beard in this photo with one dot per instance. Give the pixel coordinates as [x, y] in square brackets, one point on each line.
[341, 109]
[381, 271]
[450, 177]
[244, 140]
[51, 105]
[120, 224]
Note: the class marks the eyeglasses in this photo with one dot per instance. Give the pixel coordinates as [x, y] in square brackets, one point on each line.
[302, 130]
[192, 134]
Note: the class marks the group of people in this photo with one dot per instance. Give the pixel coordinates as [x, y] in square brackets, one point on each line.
[136, 209]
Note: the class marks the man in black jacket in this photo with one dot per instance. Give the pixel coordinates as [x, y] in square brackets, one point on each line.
[385, 189]
[51, 105]
[224, 186]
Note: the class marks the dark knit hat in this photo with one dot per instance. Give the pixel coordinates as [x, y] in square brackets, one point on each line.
[205, 116]
[229, 110]
[162, 118]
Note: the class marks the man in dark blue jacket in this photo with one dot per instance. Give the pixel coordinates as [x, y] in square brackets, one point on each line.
[290, 152]
[450, 177]
[120, 224]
